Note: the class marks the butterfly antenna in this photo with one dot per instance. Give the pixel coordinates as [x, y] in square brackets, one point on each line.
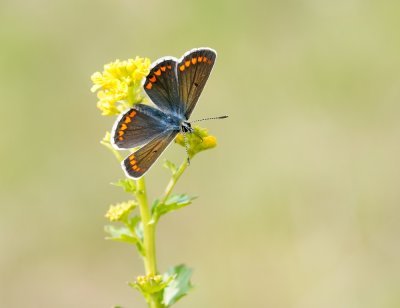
[212, 118]
[186, 147]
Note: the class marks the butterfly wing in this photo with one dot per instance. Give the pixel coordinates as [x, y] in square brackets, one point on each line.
[137, 126]
[161, 85]
[139, 162]
[175, 85]
[193, 70]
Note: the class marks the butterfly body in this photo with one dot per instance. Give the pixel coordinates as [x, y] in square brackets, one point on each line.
[168, 120]
[174, 86]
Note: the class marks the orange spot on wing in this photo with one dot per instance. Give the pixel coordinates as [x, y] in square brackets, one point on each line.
[120, 133]
[153, 79]
[149, 86]
[158, 72]
[205, 59]
[163, 68]
[132, 160]
[182, 67]
[127, 119]
[187, 63]
[120, 138]
[169, 67]
[132, 114]
[123, 126]
[194, 60]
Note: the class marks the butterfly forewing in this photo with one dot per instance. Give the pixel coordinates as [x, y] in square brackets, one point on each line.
[137, 126]
[136, 164]
[161, 85]
[193, 71]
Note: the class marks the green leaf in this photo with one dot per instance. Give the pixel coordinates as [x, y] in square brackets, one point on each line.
[179, 286]
[170, 165]
[120, 234]
[126, 235]
[173, 203]
[136, 226]
[139, 230]
[128, 185]
[133, 222]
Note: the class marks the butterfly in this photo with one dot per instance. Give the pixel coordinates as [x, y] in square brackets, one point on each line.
[174, 86]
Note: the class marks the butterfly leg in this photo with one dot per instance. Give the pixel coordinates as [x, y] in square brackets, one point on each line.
[186, 147]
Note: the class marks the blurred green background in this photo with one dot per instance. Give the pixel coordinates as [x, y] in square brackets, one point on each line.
[298, 205]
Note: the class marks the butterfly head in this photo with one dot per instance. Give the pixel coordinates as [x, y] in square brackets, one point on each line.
[186, 127]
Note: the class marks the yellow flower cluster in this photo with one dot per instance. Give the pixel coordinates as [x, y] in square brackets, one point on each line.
[197, 141]
[119, 85]
[142, 280]
[150, 284]
[120, 211]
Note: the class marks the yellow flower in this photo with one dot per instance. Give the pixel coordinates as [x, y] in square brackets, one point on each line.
[149, 279]
[209, 142]
[119, 85]
[197, 141]
[150, 284]
[120, 211]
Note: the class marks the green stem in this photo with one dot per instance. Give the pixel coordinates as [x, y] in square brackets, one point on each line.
[149, 236]
[174, 179]
[148, 229]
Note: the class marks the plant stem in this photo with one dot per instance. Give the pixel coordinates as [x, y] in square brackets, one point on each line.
[148, 229]
[175, 177]
[149, 236]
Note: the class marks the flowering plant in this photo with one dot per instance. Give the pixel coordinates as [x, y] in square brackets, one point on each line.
[119, 87]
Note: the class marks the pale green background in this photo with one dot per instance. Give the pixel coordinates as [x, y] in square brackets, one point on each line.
[299, 204]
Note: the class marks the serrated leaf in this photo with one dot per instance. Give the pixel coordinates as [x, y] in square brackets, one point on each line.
[170, 165]
[128, 185]
[121, 234]
[173, 203]
[124, 234]
[179, 286]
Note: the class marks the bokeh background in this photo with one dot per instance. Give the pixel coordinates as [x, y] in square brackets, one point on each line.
[298, 206]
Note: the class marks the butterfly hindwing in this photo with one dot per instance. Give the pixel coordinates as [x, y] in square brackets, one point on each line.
[137, 163]
[137, 126]
[193, 70]
[161, 85]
